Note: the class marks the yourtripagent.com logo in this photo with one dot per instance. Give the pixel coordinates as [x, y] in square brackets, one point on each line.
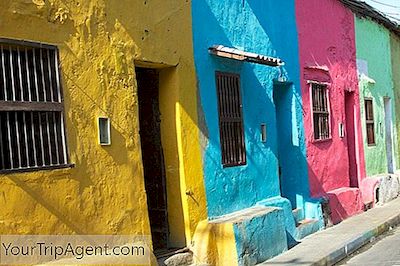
[76, 249]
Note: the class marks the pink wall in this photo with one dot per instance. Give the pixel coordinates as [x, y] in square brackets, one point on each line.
[328, 54]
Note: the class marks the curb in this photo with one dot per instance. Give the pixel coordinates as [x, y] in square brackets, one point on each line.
[358, 242]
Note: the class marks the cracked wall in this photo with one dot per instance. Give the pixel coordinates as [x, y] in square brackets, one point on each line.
[100, 42]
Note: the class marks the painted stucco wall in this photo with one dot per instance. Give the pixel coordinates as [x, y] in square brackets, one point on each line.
[327, 54]
[395, 63]
[246, 26]
[100, 42]
[376, 52]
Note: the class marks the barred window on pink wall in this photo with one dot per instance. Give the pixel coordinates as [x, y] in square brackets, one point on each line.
[32, 134]
[320, 104]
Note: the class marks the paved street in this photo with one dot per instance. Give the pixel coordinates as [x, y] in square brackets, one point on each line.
[335, 243]
[385, 252]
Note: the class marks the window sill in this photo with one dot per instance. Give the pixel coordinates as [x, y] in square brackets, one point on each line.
[234, 165]
[35, 169]
[316, 141]
[371, 145]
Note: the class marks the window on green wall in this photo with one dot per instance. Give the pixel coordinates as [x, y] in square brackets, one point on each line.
[369, 120]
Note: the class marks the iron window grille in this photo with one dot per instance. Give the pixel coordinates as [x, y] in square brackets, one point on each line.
[230, 119]
[32, 133]
[320, 105]
[369, 121]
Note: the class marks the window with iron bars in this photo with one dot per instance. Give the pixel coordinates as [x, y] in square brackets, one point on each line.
[32, 134]
[369, 121]
[230, 119]
[320, 104]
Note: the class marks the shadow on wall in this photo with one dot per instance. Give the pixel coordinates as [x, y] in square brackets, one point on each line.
[113, 79]
[335, 150]
[49, 205]
[376, 156]
[339, 204]
[232, 189]
[328, 161]
[291, 152]
[285, 45]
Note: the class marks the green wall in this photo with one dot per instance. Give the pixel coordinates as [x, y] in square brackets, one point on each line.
[373, 46]
[395, 52]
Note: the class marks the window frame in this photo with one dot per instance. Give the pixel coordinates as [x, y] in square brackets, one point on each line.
[242, 149]
[327, 85]
[369, 122]
[107, 130]
[30, 106]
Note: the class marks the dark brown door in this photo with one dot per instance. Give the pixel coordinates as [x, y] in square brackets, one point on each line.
[351, 137]
[152, 155]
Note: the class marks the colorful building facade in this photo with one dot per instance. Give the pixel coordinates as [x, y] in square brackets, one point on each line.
[330, 95]
[113, 65]
[378, 111]
[395, 53]
[261, 201]
[216, 125]
[376, 85]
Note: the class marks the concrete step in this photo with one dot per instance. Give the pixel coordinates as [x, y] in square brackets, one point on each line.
[343, 203]
[171, 256]
[307, 227]
[244, 237]
[182, 259]
[298, 215]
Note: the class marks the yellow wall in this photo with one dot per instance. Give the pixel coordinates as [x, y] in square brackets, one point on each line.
[99, 42]
[214, 244]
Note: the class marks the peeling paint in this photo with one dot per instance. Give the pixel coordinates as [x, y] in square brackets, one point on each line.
[100, 42]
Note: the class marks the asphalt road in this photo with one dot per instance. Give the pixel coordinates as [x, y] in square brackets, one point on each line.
[384, 252]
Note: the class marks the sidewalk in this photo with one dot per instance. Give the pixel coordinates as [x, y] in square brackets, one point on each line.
[333, 244]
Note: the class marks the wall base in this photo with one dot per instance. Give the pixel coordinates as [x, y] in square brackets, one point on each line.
[344, 202]
[380, 189]
[256, 234]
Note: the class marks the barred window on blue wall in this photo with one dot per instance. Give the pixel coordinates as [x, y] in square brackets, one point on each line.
[32, 134]
[230, 119]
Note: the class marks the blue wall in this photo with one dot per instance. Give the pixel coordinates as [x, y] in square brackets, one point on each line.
[266, 27]
[269, 241]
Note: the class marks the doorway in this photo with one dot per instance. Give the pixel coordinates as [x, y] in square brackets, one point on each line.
[153, 155]
[389, 134]
[350, 136]
[282, 95]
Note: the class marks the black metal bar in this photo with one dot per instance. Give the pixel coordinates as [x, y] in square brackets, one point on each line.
[27, 43]
[30, 106]
[33, 169]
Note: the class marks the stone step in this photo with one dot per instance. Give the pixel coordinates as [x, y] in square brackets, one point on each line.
[298, 215]
[307, 227]
[182, 259]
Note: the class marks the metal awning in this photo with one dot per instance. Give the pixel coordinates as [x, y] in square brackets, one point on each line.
[236, 54]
